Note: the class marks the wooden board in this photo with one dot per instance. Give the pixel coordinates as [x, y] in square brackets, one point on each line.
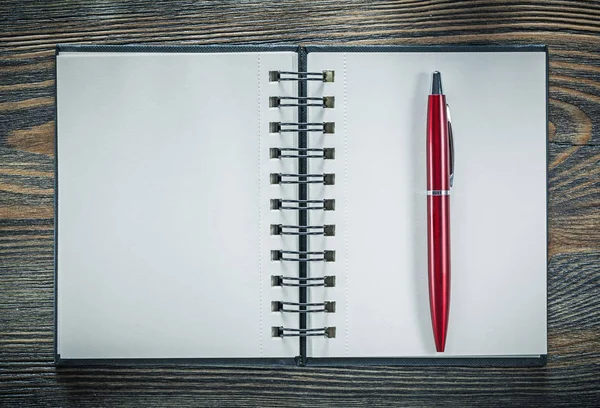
[28, 34]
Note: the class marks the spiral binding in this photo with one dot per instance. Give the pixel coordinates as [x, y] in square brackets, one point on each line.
[280, 229]
[283, 127]
[324, 307]
[303, 256]
[327, 332]
[323, 102]
[280, 280]
[281, 153]
[280, 204]
[323, 76]
[295, 178]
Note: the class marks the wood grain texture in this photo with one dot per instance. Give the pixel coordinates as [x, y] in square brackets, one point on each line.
[28, 33]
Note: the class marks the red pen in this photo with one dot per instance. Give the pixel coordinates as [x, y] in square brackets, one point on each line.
[439, 180]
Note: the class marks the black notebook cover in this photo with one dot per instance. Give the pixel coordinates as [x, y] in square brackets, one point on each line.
[93, 327]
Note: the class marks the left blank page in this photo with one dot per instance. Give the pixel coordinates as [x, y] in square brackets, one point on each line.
[163, 205]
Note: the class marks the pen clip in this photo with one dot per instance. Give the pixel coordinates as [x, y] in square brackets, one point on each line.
[451, 143]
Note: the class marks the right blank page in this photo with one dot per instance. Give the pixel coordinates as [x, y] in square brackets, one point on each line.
[498, 203]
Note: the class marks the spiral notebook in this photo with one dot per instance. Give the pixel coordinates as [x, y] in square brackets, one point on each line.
[267, 205]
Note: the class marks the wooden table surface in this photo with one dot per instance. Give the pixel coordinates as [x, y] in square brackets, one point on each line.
[29, 31]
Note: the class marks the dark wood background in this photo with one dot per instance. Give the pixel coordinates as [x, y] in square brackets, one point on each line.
[29, 31]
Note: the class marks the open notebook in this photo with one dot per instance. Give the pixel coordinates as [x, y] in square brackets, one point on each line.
[182, 202]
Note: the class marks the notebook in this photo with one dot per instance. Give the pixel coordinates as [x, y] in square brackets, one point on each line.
[267, 205]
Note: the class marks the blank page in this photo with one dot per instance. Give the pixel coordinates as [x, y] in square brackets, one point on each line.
[163, 205]
[498, 204]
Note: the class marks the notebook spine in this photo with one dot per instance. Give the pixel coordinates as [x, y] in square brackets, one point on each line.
[302, 206]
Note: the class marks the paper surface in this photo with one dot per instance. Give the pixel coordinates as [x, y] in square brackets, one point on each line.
[163, 205]
[498, 204]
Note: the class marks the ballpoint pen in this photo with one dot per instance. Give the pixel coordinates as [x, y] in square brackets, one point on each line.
[440, 174]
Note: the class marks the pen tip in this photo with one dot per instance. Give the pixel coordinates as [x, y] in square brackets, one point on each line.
[436, 83]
